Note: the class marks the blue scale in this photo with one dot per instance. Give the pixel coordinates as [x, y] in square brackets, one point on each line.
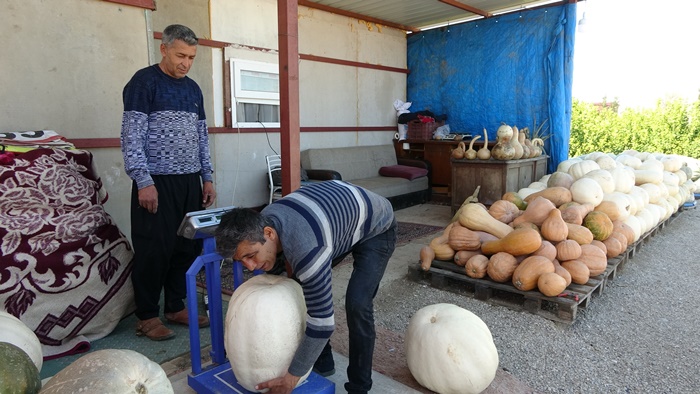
[219, 377]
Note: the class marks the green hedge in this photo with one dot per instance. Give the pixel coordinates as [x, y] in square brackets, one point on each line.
[673, 126]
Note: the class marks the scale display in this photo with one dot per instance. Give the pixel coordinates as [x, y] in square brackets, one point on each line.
[202, 224]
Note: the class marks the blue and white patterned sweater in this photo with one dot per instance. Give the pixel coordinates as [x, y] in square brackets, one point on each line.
[316, 224]
[164, 129]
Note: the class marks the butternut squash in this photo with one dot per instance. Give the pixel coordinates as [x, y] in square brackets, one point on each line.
[518, 242]
[476, 266]
[558, 195]
[559, 270]
[426, 257]
[515, 198]
[476, 217]
[501, 267]
[528, 272]
[536, 211]
[554, 227]
[574, 213]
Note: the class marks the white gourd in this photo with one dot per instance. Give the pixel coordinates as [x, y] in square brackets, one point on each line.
[604, 179]
[450, 350]
[566, 164]
[623, 202]
[623, 177]
[629, 161]
[110, 371]
[635, 224]
[265, 323]
[14, 331]
[654, 192]
[606, 162]
[578, 170]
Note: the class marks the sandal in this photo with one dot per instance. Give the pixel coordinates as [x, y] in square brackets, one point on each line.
[182, 318]
[154, 329]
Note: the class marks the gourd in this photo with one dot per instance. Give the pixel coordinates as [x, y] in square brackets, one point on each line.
[575, 213]
[516, 144]
[462, 238]
[551, 284]
[484, 153]
[568, 250]
[18, 374]
[476, 266]
[517, 243]
[600, 225]
[561, 271]
[580, 234]
[111, 371]
[504, 211]
[516, 199]
[16, 332]
[554, 228]
[586, 190]
[458, 152]
[578, 170]
[521, 140]
[426, 257]
[558, 195]
[529, 270]
[254, 357]
[442, 358]
[578, 270]
[462, 256]
[440, 245]
[470, 154]
[604, 179]
[501, 267]
[560, 178]
[594, 258]
[503, 150]
[536, 212]
[476, 217]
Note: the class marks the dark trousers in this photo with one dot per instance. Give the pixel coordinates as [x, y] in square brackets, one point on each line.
[370, 260]
[161, 257]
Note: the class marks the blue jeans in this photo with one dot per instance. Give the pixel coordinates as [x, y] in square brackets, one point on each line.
[370, 260]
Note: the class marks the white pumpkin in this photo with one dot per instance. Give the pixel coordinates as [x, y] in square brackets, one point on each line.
[110, 371]
[623, 177]
[623, 203]
[582, 168]
[560, 178]
[566, 164]
[14, 331]
[265, 324]
[672, 163]
[604, 179]
[450, 350]
[586, 190]
[537, 185]
[651, 164]
[654, 192]
[634, 222]
[628, 160]
[606, 162]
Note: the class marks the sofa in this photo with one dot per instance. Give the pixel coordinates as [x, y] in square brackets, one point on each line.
[404, 182]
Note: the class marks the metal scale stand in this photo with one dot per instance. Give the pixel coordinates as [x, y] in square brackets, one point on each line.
[218, 377]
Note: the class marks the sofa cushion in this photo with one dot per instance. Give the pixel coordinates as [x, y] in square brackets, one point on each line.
[351, 163]
[402, 171]
[392, 186]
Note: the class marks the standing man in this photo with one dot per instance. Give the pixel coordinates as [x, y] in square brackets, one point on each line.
[165, 144]
[313, 227]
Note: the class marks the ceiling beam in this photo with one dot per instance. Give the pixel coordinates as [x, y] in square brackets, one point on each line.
[366, 18]
[468, 8]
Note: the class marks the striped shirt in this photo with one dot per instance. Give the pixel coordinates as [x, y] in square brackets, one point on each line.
[316, 224]
[164, 128]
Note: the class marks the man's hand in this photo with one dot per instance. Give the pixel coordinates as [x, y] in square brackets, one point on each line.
[208, 194]
[283, 385]
[148, 198]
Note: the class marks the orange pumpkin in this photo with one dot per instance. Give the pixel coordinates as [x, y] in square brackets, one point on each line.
[547, 249]
[578, 270]
[476, 266]
[501, 267]
[462, 238]
[462, 256]
[551, 284]
[580, 234]
[568, 250]
[536, 211]
[558, 195]
[594, 258]
[554, 227]
[504, 211]
[559, 270]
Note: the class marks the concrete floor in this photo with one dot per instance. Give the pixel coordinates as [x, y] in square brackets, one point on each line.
[437, 215]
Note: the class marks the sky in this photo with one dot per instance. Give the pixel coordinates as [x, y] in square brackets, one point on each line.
[637, 51]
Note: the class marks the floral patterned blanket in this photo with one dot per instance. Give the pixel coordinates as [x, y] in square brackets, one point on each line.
[64, 264]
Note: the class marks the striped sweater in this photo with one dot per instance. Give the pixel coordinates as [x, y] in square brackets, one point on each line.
[164, 128]
[316, 224]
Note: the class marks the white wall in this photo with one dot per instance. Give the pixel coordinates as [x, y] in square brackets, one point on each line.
[67, 62]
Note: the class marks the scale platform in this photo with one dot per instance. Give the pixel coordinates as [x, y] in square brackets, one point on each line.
[219, 377]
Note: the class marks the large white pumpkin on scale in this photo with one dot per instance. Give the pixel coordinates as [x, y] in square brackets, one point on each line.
[265, 324]
[450, 350]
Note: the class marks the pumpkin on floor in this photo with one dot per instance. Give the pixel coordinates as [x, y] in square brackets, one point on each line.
[18, 374]
[450, 350]
[14, 331]
[110, 371]
[260, 346]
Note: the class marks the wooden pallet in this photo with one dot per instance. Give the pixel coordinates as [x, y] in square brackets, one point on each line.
[446, 275]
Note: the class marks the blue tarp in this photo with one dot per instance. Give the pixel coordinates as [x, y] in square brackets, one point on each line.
[515, 68]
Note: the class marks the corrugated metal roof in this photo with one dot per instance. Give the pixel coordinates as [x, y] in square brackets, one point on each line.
[424, 14]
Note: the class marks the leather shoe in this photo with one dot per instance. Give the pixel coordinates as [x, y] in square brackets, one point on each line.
[181, 318]
[153, 329]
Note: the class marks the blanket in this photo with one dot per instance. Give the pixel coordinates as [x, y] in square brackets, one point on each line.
[64, 265]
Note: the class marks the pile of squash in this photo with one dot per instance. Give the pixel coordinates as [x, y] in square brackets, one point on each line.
[564, 227]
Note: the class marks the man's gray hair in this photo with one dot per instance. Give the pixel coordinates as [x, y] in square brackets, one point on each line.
[179, 32]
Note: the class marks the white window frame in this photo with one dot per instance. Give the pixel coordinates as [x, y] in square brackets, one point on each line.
[250, 96]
